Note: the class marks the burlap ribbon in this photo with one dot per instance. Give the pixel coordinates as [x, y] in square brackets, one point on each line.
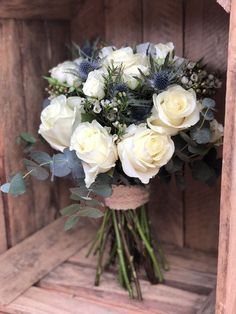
[127, 197]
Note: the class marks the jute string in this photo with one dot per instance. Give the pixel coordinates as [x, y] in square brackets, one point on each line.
[127, 197]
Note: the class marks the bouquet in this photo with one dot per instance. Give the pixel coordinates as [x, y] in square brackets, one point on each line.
[117, 118]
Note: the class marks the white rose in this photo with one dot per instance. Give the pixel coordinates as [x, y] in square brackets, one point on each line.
[143, 152]
[174, 110]
[64, 73]
[131, 64]
[146, 48]
[95, 147]
[106, 51]
[217, 132]
[58, 120]
[94, 85]
[162, 50]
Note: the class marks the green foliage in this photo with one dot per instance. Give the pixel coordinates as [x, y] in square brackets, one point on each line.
[201, 135]
[27, 137]
[41, 157]
[102, 185]
[36, 170]
[16, 186]
[71, 222]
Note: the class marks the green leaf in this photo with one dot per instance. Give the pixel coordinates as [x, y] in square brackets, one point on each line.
[201, 171]
[70, 210]
[5, 187]
[103, 185]
[90, 212]
[25, 136]
[36, 170]
[201, 136]
[187, 138]
[81, 192]
[71, 222]
[207, 114]
[17, 185]
[199, 150]
[60, 166]
[40, 157]
[87, 117]
[174, 165]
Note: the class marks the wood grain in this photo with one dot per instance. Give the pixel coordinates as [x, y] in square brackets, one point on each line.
[123, 22]
[36, 9]
[206, 35]
[88, 22]
[27, 262]
[226, 285]
[26, 59]
[208, 306]
[163, 22]
[79, 280]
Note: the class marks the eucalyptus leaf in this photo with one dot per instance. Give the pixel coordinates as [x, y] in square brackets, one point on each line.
[187, 138]
[103, 185]
[41, 157]
[208, 103]
[74, 163]
[201, 171]
[199, 149]
[174, 165]
[201, 136]
[90, 212]
[36, 170]
[5, 187]
[71, 222]
[207, 114]
[60, 166]
[81, 192]
[27, 137]
[70, 210]
[17, 185]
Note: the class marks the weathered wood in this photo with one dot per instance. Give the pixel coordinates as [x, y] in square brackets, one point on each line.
[206, 36]
[36, 9]
[123, 22]
[3, 234]
[208, 306]
[226, 286]
[88, 22]
[226, 4]
[27, 262]
[79, 280]
[163, 22]
[26, 59]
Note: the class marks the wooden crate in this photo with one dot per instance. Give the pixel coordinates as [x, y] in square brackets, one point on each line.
[34, 35]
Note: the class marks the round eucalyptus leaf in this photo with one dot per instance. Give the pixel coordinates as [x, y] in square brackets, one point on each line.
[201, 136]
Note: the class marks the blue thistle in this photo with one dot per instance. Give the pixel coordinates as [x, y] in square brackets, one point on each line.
[115, 88]
[160, 80]
[85, 67]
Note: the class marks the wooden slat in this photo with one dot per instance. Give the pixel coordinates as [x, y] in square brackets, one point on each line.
[192, 275]
[88, 22]
[38, 301]
[3, 234]
[226, 4]
[208, 306]
[123, 22]
[206, 36]
[26, 59]
[27, 262]
[79, 280]
[163, 22]
[226, 286]
[36, 9]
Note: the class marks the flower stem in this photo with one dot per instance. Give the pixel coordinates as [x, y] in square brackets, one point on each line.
[148, 247]
[121, 256]
[129, 258]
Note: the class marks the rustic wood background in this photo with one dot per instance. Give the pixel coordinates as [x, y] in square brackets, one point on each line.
[33, 38]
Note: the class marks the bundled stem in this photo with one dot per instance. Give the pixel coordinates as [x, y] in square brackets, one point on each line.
[131, 247]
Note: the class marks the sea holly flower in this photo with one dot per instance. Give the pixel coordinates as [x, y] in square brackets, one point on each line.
[85, 67]
[143, 152]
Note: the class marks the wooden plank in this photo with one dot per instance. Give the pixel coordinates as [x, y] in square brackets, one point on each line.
[20, 105]
[206, 36]
[226, 285]
[226, 4]
[123, 22]
[88, 22]
[163, 22]
[79, 280]
[36, 9]
[39, 301]
[3, 234]
[208, 306]
[27, 262]
[191, 275]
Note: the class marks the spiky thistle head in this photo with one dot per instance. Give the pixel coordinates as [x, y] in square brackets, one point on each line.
[115, 88]
[85, 67]
[160, 80]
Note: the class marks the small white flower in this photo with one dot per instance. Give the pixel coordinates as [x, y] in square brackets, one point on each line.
[96, 107]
